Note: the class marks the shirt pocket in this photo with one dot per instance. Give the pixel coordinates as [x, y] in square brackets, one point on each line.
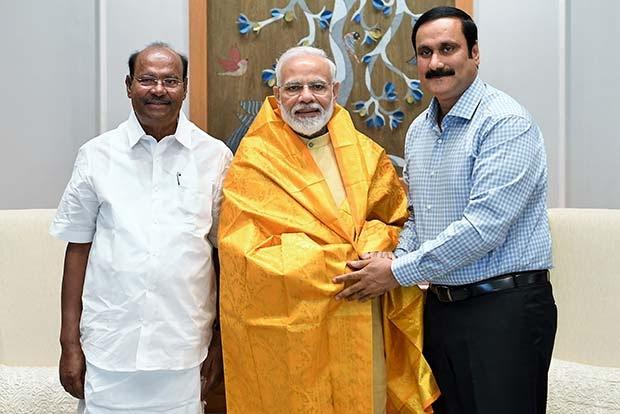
[194, 199]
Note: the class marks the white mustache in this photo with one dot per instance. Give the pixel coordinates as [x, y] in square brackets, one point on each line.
[299, 107]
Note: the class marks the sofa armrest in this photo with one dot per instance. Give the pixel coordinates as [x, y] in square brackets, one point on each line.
[27, 390]
[579, 389]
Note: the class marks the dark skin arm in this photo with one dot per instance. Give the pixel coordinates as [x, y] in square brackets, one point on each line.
[212, 371]
[72, 366]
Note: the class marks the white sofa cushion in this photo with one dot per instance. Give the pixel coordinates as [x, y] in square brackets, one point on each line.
[30, 277]
[583, 389]
[33, 390]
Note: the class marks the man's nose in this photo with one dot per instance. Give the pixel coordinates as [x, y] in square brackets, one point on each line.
[436, 62]
[306, 95]
[158, 89]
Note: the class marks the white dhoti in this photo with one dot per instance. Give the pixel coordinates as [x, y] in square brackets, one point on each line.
[141, 392]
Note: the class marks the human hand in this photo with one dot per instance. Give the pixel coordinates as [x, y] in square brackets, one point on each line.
[72, 368]
[373, 278]
[370, 255]
[212, 371]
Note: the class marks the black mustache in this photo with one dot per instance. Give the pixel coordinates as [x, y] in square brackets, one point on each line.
[439, 73]
[158, 101]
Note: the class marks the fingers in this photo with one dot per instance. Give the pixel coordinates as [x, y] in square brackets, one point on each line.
[72, 369]
[359, 264]
[350, 292]
[347, 277]
[78, 387]
[74, 385]
[372, 255]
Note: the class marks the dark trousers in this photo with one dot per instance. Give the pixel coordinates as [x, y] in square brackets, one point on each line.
[490, 354]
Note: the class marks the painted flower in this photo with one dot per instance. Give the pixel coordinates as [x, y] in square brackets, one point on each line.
[389, 91]
[244, 24]
[375, 121]
[368, 40]
[396, 118]
[361, 107]
[367, 58]
[357, 18]
[268, 76]
[277, 13]
[414, 93]
[324, 19]
[378, 4]
[289, 16]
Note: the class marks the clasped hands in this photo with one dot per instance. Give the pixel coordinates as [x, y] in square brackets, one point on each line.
[372, 277]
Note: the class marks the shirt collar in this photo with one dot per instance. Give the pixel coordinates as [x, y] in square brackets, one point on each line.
[183, 133]
[316, 142]
[465, 106]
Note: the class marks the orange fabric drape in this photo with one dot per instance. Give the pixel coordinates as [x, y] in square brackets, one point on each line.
[289, 347]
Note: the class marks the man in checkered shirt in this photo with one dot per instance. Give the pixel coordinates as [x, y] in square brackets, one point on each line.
[478, 232]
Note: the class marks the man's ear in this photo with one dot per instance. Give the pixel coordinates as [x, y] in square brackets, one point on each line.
[475, 54]
[128, 85]
[336, 90]
[276, 93]
[184, 88]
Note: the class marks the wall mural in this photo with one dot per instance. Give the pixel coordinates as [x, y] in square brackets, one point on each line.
[369, 40]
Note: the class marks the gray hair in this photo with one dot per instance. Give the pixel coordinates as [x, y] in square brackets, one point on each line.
[300, 51]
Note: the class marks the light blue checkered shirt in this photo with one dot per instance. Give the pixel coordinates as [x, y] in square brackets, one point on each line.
[477, 191]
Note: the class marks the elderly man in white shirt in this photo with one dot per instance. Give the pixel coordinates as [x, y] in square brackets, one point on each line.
[140, 217]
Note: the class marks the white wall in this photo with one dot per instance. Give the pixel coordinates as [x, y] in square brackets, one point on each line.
[593, 90]
[520, 47]
[129, 25]
[63, 69]
[48, 74]
[557, 58]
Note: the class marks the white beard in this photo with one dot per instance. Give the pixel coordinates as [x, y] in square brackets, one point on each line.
[308, 125]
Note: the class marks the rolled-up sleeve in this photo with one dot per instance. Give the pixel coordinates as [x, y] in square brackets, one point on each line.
[76, 217]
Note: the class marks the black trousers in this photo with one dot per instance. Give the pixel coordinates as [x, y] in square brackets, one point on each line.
[490, 354]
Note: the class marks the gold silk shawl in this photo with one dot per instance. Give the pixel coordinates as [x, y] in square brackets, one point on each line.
[289, 347]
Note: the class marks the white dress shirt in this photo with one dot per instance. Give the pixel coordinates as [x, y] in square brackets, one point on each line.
[150, 210]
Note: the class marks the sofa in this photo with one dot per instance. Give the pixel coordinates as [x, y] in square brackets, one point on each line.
[584, 376]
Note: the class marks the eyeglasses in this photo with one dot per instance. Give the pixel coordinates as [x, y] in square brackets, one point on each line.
[317, 88]
[151, 82]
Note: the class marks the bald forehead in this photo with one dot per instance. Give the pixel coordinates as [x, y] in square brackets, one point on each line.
[160, 55]
[306, 65]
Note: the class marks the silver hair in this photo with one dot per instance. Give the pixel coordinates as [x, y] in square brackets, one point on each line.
[300, 51]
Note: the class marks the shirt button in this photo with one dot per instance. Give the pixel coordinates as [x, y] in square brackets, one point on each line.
[428, 207]
[156, 188]
[432, 173]
[439, 141]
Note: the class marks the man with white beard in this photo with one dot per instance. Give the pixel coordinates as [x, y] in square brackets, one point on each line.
[305, 193]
